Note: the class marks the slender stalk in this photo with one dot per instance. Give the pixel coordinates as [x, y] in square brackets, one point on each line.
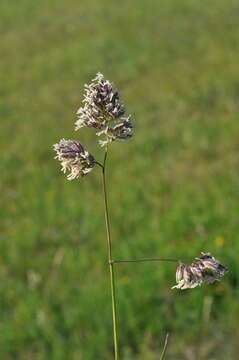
[164, 347]
[110, 260]
[144, 260]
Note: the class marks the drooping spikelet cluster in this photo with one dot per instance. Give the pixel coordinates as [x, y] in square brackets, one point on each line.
[205, 269]
[103, 110]
[74, 158]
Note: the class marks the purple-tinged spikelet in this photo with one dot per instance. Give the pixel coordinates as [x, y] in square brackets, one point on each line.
[205, 269]
[74, 158]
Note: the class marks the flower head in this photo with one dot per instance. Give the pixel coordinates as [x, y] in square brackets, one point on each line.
[205, 269]
[101, 104]
[122, 130]
[74, 158]
[103, 110]
[105, 97]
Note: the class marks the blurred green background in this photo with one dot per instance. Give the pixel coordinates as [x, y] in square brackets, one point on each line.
[173, 188]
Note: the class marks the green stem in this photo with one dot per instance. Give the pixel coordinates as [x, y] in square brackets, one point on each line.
[144, 260]
[110, 260]
[164, 347]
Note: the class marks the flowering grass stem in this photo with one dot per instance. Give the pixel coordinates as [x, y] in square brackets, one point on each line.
[110, 260]
[103, 111]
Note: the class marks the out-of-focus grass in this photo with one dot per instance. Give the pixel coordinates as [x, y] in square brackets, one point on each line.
[173, 189]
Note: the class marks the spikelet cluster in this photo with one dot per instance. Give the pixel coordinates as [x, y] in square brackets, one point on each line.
[103, 110]
[73, 158]
[205, 269]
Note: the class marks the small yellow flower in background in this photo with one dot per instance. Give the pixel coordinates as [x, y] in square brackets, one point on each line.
[219, 241]
[125, 280]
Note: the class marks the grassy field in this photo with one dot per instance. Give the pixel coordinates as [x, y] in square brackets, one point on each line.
[174, 188]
